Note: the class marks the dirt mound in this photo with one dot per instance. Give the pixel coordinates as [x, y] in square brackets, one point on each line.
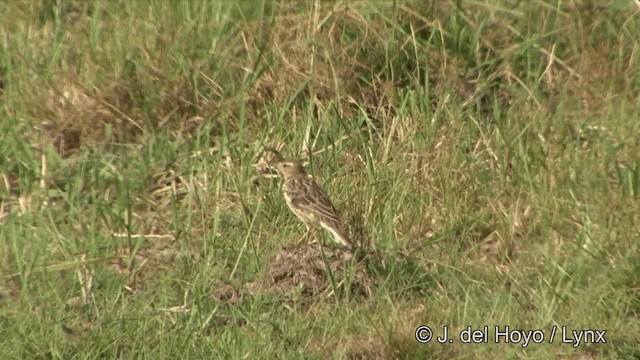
[308, 272]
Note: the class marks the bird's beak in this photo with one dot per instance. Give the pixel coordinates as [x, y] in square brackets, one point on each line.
[273, 167]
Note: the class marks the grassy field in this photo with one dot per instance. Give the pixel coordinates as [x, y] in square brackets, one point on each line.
[485, 154]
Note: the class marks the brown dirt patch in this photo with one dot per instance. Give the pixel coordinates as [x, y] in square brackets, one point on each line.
[306, 271]
[367, 348]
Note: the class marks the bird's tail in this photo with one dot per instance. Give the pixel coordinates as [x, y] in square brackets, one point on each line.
[340, 234]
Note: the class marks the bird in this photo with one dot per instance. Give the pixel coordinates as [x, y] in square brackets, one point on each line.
[309, 202]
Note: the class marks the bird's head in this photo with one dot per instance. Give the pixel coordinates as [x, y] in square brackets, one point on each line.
[289, 168]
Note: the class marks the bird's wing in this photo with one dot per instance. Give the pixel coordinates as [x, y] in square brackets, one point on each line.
[306, 194]
[310, 196]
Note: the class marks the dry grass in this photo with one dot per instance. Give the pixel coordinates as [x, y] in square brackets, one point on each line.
[484, 153]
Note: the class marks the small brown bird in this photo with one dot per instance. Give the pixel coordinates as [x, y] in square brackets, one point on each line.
[309, 202]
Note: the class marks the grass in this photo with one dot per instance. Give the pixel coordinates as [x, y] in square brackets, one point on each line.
[486, 150]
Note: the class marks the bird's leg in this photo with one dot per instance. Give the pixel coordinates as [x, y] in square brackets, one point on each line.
[304, 237]
[309, 234]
